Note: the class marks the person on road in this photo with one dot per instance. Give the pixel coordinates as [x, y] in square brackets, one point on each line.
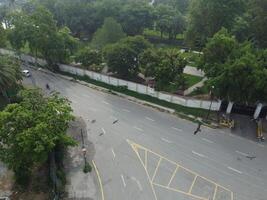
[198, 128]
[47, 86]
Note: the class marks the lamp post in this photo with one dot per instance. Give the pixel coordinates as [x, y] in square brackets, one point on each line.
[83, 148]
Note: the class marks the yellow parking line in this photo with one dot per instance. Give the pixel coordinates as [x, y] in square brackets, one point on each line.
[99, 180]
[180, 191]
[151, 184]
[190, 190]
[192, 172]
[177, 167]
[156, 169]
[137, 146]
[215, 191]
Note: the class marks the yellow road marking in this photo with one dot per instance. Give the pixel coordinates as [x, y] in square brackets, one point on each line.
[215, 191]
[177, 167]
[99, 180]
[180, 191]
[151, 184]
[156, 169]
[135, 147]
[190, 190]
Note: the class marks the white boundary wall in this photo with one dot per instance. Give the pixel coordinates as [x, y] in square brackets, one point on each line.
[143, 89]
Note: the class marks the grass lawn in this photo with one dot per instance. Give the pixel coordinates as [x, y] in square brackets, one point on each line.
[200, 91]
[192, 80]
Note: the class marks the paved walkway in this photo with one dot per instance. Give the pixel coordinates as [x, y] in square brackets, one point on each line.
[193, 71]
[80, 185]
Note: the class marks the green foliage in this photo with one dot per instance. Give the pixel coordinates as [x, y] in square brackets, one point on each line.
[110, 32]
[88, 57]
[166, 65]
[169, 21]
[38, 30]
[135, 17]
[87, 168]
[9, 73]
[257, 19]
[206, 17]
[217, 52]
[236, 70]
[3, 37]
[29, 130]
[123, 57]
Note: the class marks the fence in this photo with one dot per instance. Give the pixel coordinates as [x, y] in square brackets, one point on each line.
[143, 89]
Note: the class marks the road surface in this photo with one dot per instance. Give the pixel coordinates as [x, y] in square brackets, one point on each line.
[145, 154]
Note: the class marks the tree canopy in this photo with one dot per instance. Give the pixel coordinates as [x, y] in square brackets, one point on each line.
[29, 130]
[110, 32]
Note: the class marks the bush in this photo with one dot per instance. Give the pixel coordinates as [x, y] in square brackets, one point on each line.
[87, 168]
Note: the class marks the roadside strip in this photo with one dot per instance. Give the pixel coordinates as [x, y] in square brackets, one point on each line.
[99, 180]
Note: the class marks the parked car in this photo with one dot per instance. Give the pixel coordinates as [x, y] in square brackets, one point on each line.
[26, 73]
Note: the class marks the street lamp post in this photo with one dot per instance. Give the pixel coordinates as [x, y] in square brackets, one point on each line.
[83, 148]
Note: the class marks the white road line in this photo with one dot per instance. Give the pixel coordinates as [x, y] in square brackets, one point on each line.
[235, 170]
[241, 153]
[177, 129]
[103, 130]
[125, 110]
[123, 181]
[198, 154]
[221, 131]
[113, 153]
[137, 128]
[165, 140]
[105, 102]
[138, 183]
[148, 118]
[207, 140]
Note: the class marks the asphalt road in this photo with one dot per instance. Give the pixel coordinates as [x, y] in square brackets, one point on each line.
[145, 154]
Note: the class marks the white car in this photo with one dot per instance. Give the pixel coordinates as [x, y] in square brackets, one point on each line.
[26, 73]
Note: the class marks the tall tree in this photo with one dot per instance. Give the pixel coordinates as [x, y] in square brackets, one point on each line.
[135, 16]
[206, 17]
[110, 32]
[9, 74]
[31, 129]
[166, 65]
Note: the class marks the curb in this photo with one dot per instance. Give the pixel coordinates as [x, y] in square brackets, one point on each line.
[132, 99]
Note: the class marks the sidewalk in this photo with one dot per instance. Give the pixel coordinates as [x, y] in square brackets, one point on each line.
[80, 185]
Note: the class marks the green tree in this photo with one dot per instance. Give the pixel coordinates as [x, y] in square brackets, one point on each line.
[169, 21]
[88, 57]
[206, 17]
[217, 52]
[110, 32]
[166, 65]
[135, 16]
[123, 56]
[38, 29]
[9, 74]
[121, 59]
[257, 19]
[3, 36]
[31, 129]
[237, 70]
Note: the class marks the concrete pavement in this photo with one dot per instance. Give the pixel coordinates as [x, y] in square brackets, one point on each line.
[150, 155]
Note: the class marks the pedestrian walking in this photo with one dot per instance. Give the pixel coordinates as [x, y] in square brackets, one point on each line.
[198, 128]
